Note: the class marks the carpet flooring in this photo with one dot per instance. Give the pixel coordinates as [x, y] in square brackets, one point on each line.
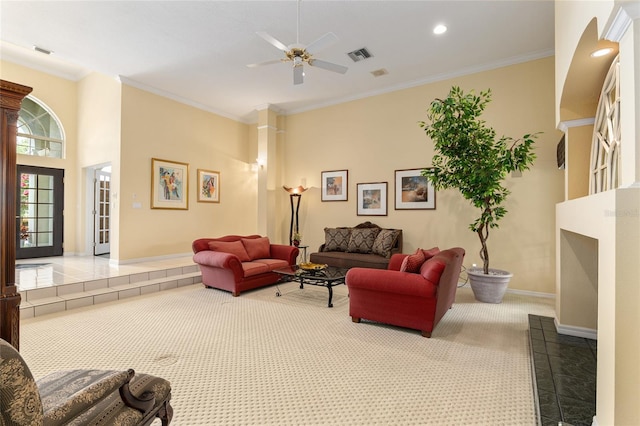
[259, 359]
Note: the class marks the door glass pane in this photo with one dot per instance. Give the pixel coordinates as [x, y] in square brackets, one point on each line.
[45, 225]
[45, 182]
[45, 195]
[27, 241]
[45, 239]
[45, 210]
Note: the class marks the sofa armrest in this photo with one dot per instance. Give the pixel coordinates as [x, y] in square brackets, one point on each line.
[395, 262]
[283, 252]
[219, 259]
[66, 394]
[386, 281]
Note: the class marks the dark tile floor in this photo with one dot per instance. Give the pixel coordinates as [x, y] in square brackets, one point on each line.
[565, 374]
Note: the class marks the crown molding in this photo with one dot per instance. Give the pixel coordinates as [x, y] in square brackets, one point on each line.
[626, 13]
[566, 125]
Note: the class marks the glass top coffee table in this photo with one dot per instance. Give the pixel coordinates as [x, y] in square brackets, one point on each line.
[327, 277]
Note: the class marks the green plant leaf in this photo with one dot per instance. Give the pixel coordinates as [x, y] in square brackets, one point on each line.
[470, 157]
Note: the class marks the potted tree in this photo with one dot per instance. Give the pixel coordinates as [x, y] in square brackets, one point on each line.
[470, 157]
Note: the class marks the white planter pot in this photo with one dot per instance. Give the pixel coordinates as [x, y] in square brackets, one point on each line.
[489, 288]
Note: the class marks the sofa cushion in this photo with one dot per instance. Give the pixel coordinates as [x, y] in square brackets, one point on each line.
[362, 239]
[272, 264]
[428, 254]
[413, 262]
[350, 260]
[257, 248]
[432, 269]
[385, 241]
[336, 239]
[254, 268]
[231, 247]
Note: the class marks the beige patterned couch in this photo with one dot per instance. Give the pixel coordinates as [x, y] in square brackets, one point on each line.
[365, 245]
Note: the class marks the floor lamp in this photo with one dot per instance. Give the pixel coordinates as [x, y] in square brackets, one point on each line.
[297, 194]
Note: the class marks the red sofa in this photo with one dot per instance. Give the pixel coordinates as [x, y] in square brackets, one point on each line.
[238, 263]
[406, 299]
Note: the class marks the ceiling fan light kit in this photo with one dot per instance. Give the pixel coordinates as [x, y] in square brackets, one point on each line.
[299, 53]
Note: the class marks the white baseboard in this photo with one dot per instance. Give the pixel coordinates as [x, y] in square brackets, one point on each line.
[595, 421]
[532, 293]
[569, 330]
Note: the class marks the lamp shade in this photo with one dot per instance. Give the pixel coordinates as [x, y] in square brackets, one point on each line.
[297, 190]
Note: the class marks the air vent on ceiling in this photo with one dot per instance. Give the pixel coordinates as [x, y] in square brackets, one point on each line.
[41, 50]
[359, 55]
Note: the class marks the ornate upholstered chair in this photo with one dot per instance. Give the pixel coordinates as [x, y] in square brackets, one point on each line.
[79, 397]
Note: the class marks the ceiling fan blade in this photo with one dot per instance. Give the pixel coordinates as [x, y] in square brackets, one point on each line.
[274, 61]
[298, 75]
[328, 66]
[323, 42]
[272, 40]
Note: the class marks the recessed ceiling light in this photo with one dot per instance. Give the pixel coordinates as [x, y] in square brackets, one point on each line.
[380, 72]
[440, 29]
[601, 52]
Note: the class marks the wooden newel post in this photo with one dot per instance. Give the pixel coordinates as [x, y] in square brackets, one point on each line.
[11, 95]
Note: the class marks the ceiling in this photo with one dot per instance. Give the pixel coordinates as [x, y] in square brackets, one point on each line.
[197, 51]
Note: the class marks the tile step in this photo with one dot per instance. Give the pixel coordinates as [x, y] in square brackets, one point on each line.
[64, 297]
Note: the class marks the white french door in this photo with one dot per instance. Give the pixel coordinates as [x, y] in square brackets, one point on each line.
[101, 212]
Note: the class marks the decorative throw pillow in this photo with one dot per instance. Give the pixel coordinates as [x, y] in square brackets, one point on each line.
[385, 241]
[362, 239]
[336, 239]
[232, 247]
[432, 269]
[428, 254]
[257, 248]
[413, 262]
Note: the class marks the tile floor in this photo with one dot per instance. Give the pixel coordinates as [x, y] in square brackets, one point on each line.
[53, 271]
[565, 374]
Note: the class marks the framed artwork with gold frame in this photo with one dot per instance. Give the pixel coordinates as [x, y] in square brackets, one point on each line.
[208, 186]
[169, 184]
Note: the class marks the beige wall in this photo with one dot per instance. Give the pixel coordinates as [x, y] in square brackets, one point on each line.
[60, 95]
[373, 137]
[578, 161]
[157, 127]
[99, 113]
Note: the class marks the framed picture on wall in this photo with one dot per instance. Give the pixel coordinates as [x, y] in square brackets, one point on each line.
[372, 199]
[208, 186]
[335, 185]
[169, 184]
[414, 191]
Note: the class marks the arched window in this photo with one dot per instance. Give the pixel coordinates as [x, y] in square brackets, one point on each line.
[39, 130]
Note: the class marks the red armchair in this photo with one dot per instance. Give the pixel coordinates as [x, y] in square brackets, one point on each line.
[405, 299]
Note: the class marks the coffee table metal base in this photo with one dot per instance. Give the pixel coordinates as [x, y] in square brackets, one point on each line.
[328, 278]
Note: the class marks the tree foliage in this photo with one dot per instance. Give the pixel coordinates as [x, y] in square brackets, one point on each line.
[472, 159]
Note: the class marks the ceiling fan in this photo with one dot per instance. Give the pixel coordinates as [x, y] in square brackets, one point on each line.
[299, 53]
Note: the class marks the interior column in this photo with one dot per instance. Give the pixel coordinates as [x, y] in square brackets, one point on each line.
[268, 172]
